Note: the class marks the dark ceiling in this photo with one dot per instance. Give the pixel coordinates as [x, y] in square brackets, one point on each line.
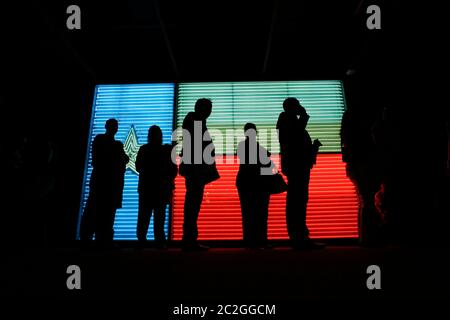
[165, 41]
[154, 40]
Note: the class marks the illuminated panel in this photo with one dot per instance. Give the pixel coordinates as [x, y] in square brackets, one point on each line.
[136, 107]
[332, 207]
[235, 103]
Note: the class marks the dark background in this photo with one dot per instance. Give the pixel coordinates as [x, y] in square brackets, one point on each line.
[48, 75]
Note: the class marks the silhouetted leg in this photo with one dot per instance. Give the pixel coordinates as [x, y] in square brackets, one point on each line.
[254, 212]
[370, 221]
[366, 186]
[292, 209]
[244, 198]
[87, 224]
[255, 219]
[264, 215]
[393, 204]
[158, 223]
[192, 204]
[296, 205]
[111, 218]
[105, 223]
[304, 197]
[144, 215]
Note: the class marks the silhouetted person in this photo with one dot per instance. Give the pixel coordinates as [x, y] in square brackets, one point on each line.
[388, 197]
[198, 167]
[253, 195]
[359, 154]
[157, 173]
[30, 176]
[298, 155]
[106, 186]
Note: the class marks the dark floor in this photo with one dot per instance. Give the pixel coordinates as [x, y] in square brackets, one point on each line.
[230, 274]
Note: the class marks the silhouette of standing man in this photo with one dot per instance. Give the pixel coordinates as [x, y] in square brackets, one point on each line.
[106, 186]
[157, 172]
[362, 166]
[198, 167]
[298, 155]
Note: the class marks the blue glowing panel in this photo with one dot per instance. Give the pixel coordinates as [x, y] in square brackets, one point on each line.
[136, 107]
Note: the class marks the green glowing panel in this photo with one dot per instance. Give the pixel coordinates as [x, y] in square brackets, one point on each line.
[235, 103]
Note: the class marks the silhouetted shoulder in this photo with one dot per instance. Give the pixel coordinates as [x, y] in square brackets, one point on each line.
[166, 149]
[144, 148]
[189, 120]
[281, 119]
[100, 138]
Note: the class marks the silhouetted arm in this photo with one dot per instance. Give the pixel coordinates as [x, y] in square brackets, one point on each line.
[303, 120]
[123, 156]
[140, 160]
[207, 141]
[315, 151]
[281, 129]
[95, 152]
[284, 131]
[187, 144]
[172, 167]
[264, 157]
[173, 170]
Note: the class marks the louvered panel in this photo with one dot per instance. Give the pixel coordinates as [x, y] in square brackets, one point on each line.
[136, 107]
[332, 207]
[235, 103]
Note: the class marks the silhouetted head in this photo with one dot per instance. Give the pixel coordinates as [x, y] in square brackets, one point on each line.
[203, 108]
[250, 130]
[111, 126]
[292, 105]
[155, 135]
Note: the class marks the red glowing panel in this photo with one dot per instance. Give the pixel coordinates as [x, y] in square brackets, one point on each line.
[332, 207]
